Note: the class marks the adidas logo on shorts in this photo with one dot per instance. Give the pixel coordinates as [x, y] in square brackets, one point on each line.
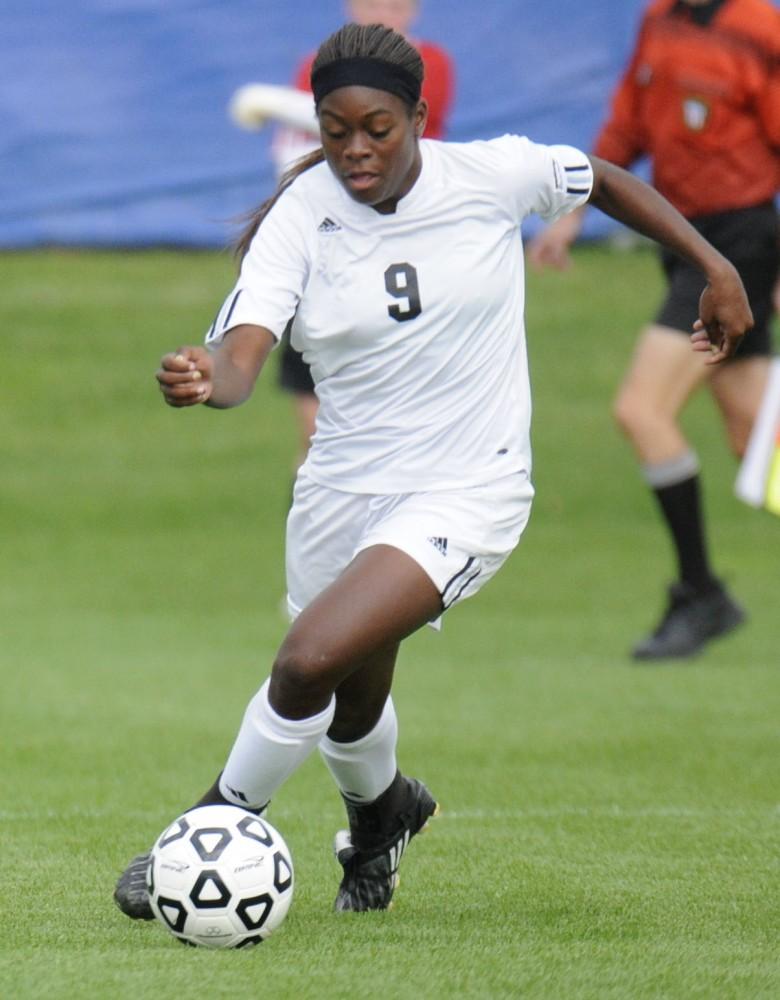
[440, 544]
[328, 226]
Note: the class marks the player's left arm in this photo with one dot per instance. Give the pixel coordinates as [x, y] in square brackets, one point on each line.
[724, 312]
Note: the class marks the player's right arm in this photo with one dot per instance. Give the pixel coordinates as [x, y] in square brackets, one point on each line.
[222, 376]
[253, 317]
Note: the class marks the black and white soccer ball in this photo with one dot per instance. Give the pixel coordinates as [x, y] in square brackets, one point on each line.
[220, 877]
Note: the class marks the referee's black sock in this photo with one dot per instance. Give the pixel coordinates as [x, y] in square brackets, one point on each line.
[676, 487]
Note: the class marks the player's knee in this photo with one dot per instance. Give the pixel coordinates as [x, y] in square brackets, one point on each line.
[634, 415]
[625, 412]
[303, 677]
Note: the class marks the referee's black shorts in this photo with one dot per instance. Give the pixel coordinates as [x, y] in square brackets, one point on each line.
[748, 237]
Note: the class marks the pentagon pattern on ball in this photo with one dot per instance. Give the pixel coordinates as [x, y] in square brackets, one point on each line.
[173, 913]
[250, 941]
[209, 891]
[174, 832]
[254, 827]
[254, 921]
[283, 875]
[217, 837]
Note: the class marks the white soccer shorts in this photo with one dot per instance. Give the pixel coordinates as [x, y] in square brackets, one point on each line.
[460, 538]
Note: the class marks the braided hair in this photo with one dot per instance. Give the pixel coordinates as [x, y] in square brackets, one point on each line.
[371, 41]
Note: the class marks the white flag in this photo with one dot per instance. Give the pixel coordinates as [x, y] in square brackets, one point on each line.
[758, 480]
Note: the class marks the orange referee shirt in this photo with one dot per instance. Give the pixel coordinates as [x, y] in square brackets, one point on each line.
[703, 102]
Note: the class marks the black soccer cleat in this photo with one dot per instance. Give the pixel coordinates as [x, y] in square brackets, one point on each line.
[691, 619]
[371, 850]
[131, 894]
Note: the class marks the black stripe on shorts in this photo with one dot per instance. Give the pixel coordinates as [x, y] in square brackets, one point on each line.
[458, 579]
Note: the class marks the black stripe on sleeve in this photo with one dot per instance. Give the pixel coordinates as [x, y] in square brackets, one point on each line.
[582, 166]
[571, 190]
[232, 307]
[213, 328]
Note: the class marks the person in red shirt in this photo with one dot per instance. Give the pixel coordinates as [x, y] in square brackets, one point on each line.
[701, 98]
[289, 145]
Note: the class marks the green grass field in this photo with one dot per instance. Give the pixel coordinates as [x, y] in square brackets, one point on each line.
[609, 830]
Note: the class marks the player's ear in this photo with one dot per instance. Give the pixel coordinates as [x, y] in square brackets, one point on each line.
[420, 117]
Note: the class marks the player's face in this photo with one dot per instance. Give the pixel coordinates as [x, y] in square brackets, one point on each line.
[370, 143]
[395, 14]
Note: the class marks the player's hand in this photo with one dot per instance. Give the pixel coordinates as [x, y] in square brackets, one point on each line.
[185, 376]
[724, 318]
[549, 248]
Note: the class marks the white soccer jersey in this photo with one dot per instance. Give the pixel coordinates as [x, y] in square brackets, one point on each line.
[412, 322]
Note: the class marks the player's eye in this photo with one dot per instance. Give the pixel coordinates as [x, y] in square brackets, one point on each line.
[380, 133]
[336, 136]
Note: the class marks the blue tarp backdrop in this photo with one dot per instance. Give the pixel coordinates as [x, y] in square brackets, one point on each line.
[113, 124]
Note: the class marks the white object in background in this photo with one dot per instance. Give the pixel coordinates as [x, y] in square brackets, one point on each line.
[761, 465]
[254, 104]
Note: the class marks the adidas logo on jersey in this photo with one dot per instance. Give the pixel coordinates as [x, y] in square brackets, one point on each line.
[440, 544]
[328, 226]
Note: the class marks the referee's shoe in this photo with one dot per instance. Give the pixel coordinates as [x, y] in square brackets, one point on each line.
[691, 619]
[371, 850]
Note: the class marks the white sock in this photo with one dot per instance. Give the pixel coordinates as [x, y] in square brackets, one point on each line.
[366, 768]
[268, 749]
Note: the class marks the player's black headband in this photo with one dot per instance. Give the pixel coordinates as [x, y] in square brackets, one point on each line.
[365, 71]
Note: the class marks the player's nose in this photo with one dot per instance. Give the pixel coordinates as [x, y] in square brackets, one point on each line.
[357, 147]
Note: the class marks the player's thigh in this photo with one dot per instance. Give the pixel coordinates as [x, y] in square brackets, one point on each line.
[324, 527]
[381, 597]
[663, 373]
[738, 388]
[413, 555]
[459, 537]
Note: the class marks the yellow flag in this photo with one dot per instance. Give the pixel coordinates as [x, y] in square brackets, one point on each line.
[758, 481]
[773, 481]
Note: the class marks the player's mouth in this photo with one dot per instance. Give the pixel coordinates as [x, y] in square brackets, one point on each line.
[361, 180]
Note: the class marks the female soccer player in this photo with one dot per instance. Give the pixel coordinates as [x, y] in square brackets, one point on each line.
[401, 262]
